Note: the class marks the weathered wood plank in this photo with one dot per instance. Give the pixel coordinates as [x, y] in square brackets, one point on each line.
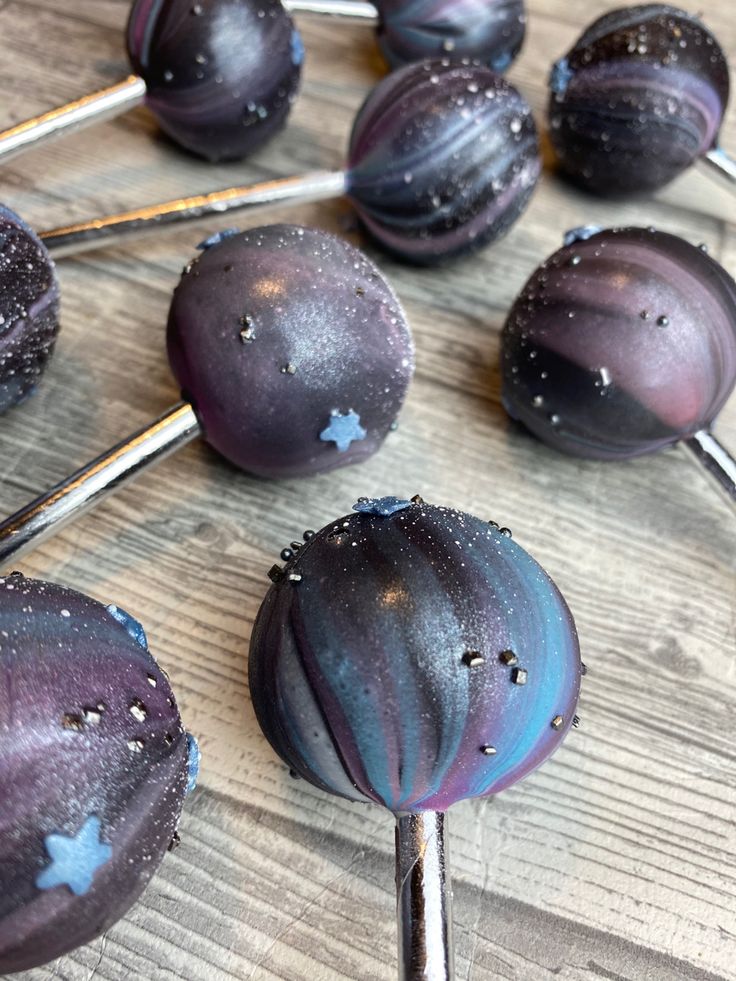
[618, 859]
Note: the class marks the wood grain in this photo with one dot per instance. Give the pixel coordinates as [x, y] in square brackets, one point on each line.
[617, 860]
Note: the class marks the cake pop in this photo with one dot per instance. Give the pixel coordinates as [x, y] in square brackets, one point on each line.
[443, 160]
[638, 99]
[220, 76]
[621, 343]
[412, 656]
[293, 354]
[489, 32]
[29, 309]
[94, 768]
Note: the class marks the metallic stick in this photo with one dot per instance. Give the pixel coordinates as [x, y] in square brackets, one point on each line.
[424, 898]
[75, 495]
[720, 161]
[349, 9]
[74, 115]
[716, 459]
[92, 234]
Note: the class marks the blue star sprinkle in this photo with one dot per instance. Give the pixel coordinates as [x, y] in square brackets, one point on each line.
[382, 506]
[580, 234]
[297, 48]
[501, 62]
[560, 76]
[74, 861]
[134, 628]
[217, 237]
[343, 430]
[193, 760]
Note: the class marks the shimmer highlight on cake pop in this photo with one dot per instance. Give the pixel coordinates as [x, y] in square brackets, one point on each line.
[413, 655]
[443, 160]
[221, 75]
[490, 32]
[638, 99]
[93, 769]
[292, 348]
[621, 344]
[29, 308]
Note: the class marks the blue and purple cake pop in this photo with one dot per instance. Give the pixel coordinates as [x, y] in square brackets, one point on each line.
[221, 75]
[489, 32]
[292, 348]
[29, 308]
[621, 343]
[412, 656]
[637, 100]
[443, 160]
[94, 768]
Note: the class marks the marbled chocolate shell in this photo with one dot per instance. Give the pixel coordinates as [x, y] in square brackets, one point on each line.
[443, 160]
[637, 100]
[94, 767]
[489, 32]
[621, 344]
[412, 656]
[221, 75]
[292, 348]
[29, 309]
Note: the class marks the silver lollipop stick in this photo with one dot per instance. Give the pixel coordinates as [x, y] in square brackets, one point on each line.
[113, 228]
[423, 898]
[73, 116]
[718, 160]
[348, 9]
[716, 459]
[85, 488]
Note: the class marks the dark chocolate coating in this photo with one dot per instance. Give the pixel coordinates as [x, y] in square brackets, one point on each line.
[637, 100]
[221, 75]
[443, 160]
[621, 344]
[289, 342]
[29, 308]
[489, 32]
[383, 674]
[91, 747]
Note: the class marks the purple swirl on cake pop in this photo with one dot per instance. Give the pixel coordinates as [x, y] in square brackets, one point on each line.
[93, 769]
[489, 32]
[443, 160]
[292, 348]
[29, 308]
[621, 344]
[639, 97]
[221, 75]
[413, 656]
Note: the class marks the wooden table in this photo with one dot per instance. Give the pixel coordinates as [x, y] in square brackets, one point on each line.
[617, 860]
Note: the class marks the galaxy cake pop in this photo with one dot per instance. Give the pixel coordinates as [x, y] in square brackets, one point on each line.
[94, 768]
[293, 354]
[621, 343]
[412, 656]
[443, 159]
[29, 309]
[219, 75]
[490, 32]
[638, 99]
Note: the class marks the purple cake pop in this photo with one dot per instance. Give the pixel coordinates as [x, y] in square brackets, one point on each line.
[221, 75]
[621, 344]
[490, 32]
[94, 767]
[638, 99]
[29, 308]
[412, 656]
[443, 160]
[292, 348]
